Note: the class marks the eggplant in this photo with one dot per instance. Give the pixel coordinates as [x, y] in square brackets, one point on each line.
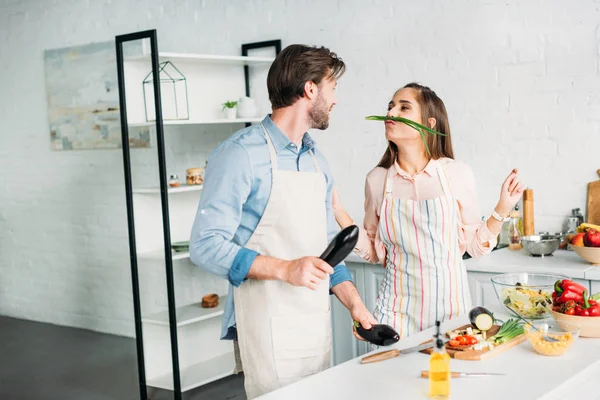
[341, 245]
[379, 334]
[481, 318]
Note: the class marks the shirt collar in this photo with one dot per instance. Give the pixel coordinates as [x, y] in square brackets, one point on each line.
[280, 140]
[429, 169]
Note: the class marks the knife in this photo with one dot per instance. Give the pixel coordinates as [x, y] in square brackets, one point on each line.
[387, 354]
[425, 374]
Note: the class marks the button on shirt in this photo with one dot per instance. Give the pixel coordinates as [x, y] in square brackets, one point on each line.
[237, 187]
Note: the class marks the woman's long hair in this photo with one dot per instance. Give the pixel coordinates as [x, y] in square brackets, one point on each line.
[431, 107]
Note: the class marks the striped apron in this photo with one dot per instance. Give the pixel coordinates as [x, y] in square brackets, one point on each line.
[425, 278]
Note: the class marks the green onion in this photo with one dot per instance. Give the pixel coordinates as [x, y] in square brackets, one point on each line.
[422, 129]
[509, 330]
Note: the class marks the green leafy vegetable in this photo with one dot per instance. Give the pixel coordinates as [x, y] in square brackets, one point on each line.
[422, 129]
[509, 330]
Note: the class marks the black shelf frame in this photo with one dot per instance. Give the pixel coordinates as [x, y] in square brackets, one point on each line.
[160, 142]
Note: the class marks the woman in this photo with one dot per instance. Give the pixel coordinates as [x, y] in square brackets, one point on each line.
[421, 215]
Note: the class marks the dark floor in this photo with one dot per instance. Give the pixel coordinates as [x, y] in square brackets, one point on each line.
[47, 362]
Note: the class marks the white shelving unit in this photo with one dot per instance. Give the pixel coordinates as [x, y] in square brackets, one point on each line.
[160, 254]
[188, 314]
[206, 58]
[206, 122]
[211, 80]
[203, 358]
[178, 189]
[197, 374]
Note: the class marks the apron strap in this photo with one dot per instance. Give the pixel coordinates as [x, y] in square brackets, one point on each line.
[272, 152]
[444, 180]
[314, 159]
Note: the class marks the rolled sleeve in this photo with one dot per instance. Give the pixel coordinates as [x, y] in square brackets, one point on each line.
[341, 273]
[241, 265]
[227, 185]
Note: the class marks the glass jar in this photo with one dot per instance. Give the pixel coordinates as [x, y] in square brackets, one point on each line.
[174, 180]
[514, 231]
[195, 176]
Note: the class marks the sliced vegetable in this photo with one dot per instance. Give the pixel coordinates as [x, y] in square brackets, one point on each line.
[481, 318]
[380, 334]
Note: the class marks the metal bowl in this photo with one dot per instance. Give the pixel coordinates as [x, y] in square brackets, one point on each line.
[540, 245]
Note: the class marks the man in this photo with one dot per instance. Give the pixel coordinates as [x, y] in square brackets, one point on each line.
[264, 218]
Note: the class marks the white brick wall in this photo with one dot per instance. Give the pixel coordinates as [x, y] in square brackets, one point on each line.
[521, 81]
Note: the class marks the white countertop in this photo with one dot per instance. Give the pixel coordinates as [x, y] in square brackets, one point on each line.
[504, 260]
[528, 375]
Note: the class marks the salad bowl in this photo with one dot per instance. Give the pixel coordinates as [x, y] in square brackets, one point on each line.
[529, 294]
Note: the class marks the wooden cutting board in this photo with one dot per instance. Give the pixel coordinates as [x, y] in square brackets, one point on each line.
[593, 202]
[478, 355]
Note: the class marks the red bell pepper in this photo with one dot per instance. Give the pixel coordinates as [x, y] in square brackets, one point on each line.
[590, 306]
[562, 285]
[568, 290]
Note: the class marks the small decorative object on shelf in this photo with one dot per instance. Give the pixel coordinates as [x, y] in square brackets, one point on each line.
[246, 108]
[174, 181]
[210, 301]
[173, 89]
[195, 176]
[229, 108]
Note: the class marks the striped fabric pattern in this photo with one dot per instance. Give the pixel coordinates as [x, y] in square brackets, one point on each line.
[425, 278]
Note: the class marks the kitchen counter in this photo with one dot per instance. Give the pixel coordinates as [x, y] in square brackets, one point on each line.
[528, 375]
[504, 260]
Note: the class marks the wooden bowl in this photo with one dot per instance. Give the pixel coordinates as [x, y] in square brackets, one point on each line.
[589, 254]
[210, 301]
[588, 326]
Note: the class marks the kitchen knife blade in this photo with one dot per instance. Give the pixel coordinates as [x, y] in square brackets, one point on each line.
[387, 354]
[425, 374]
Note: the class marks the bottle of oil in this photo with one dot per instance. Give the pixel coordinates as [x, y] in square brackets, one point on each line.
[439, 369]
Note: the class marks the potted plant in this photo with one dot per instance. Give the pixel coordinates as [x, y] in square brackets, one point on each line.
[229, 109]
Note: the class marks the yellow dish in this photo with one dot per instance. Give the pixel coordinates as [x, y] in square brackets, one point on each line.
[548, 348]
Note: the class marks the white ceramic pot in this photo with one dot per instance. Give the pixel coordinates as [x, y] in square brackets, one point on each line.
[246, 108]
[230, 113]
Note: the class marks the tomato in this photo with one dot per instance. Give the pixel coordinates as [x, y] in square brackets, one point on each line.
[454, 343]
[472, 340]
[462, 340]
[570, 311]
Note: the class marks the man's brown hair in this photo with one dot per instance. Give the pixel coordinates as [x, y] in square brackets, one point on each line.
[296, 65]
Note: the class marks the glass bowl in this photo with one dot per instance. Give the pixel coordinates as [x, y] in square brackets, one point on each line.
[548, 348]
[528, 294]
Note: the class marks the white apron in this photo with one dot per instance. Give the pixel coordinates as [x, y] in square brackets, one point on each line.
[425, 278]
[284, 332]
